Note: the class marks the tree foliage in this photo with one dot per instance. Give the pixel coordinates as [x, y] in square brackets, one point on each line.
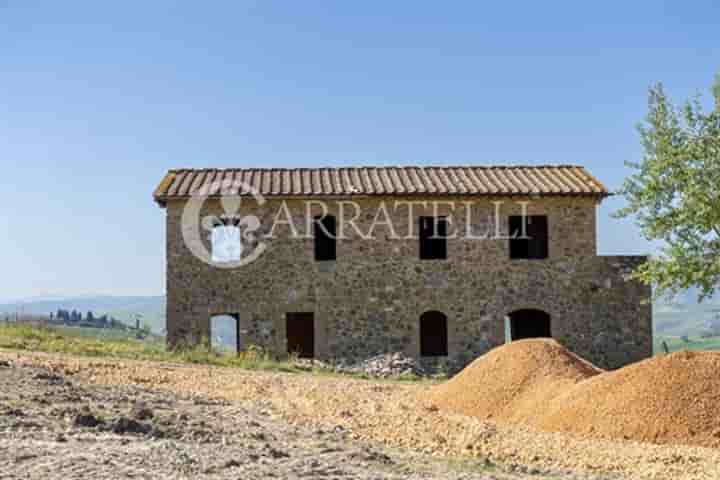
[674, 193]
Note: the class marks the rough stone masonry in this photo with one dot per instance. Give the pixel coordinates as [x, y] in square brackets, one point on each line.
[371, 297]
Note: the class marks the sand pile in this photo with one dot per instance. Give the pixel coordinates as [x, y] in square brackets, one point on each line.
[666, 399]
[513, 382]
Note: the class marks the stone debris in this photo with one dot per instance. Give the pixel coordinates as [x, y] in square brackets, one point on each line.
[386, 365]
[390, 365]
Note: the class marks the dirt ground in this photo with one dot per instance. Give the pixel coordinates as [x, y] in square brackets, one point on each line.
[53, 426]
[66, 417]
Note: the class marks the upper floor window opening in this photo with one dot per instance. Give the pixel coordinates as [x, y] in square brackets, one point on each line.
[226, 243]
[325, 234]
[528, 236]
[433, 238]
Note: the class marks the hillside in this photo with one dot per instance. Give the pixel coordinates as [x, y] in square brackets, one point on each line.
[123, 308]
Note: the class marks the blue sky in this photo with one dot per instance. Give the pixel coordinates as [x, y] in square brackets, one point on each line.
[99, 99]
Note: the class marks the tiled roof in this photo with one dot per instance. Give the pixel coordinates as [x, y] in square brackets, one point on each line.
[348, 181]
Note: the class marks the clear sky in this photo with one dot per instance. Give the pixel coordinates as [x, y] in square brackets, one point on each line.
[99, 99]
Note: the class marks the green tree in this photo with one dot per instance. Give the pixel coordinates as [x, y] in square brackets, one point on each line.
[675, 193]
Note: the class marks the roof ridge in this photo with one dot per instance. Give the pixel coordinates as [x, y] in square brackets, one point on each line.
[375, 167]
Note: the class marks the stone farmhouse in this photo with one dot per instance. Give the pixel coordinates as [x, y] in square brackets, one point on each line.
[441, 263]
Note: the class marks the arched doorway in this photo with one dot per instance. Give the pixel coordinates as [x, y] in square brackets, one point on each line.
[433, 334]
[529, 323]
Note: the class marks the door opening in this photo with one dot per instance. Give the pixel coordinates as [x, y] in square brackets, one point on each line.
[300, 331]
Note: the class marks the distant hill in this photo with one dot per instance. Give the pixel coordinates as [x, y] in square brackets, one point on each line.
[122, 308]
[685, 319]
[683, 315]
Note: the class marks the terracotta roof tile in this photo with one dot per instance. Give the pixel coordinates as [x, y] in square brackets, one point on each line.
[348, 181]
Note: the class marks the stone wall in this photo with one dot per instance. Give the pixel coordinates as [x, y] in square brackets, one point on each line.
[370, 299]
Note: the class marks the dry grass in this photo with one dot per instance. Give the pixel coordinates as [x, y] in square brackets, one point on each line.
[51, 340]
[38, 338]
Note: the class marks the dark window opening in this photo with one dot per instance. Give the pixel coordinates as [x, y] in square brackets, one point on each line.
[534, 245]
[325, 238]
[433, 334]
[300, 331]
[529, 323]
[225, 333]
[433, 238]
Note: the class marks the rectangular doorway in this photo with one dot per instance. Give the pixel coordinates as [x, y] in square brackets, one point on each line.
[225, 333]
[300, 331]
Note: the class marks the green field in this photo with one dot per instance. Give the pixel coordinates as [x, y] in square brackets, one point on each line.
[98, 333]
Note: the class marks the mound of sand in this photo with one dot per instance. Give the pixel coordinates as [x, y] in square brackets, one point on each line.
[666, 399]
[514, 381]
[671, 399]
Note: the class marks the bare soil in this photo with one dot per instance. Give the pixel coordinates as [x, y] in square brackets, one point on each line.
[393, 419]
[58, 426]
